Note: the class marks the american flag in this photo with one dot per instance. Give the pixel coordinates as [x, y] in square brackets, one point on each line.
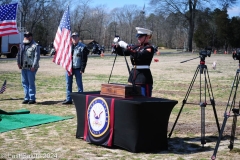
[8, 24]
[4, 86]
[62, 44]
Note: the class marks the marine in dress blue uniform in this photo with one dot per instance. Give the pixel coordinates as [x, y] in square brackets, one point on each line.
[28, 61]
[141, 57]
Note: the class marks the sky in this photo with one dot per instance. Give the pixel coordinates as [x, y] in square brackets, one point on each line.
[235, 11]
[110, 4]
[119, 3]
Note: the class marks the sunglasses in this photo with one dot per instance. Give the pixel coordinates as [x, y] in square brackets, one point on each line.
[141, 35]
[26, 35]
[74, 36]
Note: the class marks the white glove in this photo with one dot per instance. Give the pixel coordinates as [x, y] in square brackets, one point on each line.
[116, 39]
[123, 44]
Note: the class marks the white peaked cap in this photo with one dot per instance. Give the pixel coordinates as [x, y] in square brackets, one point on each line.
[143, 31]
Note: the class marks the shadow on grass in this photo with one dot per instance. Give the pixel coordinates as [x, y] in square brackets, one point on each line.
[40, 103]
[187, 145]
[182, 146]
[50, 102]
[11, 99]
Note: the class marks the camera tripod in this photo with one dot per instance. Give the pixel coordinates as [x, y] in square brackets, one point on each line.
[207, 87]
[230, 107]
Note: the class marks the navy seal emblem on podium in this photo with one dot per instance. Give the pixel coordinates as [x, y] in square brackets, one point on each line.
[98, 117]
[99, 120]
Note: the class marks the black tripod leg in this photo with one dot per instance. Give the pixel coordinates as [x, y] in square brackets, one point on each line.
[236, 113]
[203, 141]
[220, 136]
[215, 114]
[112, 67]
[227, 114]
[203, 105]
[212, 102]
[185, 100]
[233, 131]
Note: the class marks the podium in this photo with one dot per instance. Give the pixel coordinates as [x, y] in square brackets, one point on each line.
[140, 123]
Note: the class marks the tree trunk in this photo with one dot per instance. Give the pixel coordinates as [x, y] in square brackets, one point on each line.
[191, 19]
[190, 37]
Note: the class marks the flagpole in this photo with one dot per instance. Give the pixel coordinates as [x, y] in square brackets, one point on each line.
[20, 29]
[20, 17]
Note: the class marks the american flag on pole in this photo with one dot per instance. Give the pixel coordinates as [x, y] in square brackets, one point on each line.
[8, 24]
[4, 86]
[62, 44]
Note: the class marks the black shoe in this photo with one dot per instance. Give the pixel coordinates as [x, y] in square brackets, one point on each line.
[67, 102]
[31, 102]
[25, 102]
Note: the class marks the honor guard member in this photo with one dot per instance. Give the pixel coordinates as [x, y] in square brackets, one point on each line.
[79, 62]
[141, 57]
[28, 61]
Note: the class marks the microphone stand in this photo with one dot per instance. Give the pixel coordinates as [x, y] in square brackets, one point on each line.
[112, 67]
[114, 63]
[126, 62]
[133, 82]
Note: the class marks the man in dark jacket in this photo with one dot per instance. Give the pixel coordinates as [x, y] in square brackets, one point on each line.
[79, 62]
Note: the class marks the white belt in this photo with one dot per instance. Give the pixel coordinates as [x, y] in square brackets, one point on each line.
[141, 67]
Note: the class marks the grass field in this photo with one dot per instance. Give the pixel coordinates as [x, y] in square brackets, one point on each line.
[171, 80]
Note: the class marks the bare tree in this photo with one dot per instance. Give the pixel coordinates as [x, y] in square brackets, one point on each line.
[5, 2]
[126, 17]
[172, 22]
[79, 16]
[40, 17]
[186, 9]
